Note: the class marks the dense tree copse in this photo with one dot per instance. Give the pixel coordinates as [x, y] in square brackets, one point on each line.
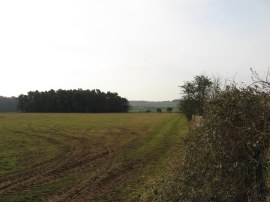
[72, 101]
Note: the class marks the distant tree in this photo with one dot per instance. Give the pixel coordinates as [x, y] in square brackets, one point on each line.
[169, 109]
[159, 110]
[148, 110]
[72, 101]
[196, 93]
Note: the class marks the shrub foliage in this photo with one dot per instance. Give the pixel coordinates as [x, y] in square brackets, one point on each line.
[226, 157]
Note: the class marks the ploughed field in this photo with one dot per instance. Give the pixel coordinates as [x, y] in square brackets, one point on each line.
[87, 157]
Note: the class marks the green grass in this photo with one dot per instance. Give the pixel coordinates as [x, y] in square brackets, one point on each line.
[140, 148]
[39, 193]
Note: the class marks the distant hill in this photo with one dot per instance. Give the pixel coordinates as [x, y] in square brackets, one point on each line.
[8, 104]
[141, 106]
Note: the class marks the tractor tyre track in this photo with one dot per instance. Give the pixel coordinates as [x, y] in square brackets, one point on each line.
[74, 159]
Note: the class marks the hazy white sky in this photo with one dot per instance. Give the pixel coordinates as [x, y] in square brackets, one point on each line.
[142, 49]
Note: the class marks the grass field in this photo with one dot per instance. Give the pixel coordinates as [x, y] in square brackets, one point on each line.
[87, 157]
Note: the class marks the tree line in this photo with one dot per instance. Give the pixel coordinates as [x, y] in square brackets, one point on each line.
[79, 100]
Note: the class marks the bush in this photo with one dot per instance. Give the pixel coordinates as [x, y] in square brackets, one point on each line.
[226, 157]
[159, 110]
[169, 109]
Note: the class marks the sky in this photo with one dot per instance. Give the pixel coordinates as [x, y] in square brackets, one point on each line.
[141, 49]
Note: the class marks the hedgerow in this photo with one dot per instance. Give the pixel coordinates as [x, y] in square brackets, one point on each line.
[225, 159]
